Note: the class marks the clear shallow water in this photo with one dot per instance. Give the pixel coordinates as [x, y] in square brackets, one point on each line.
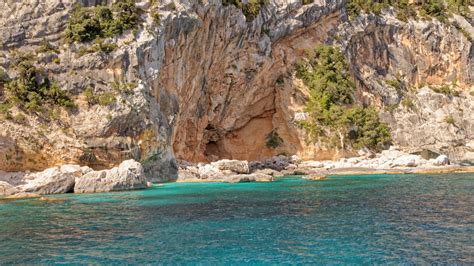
[358, 219]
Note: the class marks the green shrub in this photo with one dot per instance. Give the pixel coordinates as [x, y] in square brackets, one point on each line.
[390, 108]
[5, 107]
[449, 120]
[333, 116]
[106, 99]
[406, 9]
[433, 8]
[395, 83]
[32, 88]
[408, 103]
[46, 47]
[280, 80]
[56, 60]
[106, 47]
[88, 24]
[251, 9]
[3, 76]
[155, 16]
[273, 140]
[445, 89]
[123, 86]
[98, 46]
[89, 95]
[82, 26]
[20, 118]
[354, 7]
[366, 128]
[327, 75]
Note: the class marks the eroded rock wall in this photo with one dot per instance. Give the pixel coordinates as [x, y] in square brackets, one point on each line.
[211, 85]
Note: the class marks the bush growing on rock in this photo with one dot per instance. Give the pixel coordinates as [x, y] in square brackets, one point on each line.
[450, 120]
[251, 9]
[408, 9]
[446, 90]
[334, 118]
[274, 140]
[106, 99]
[88, 24]
[408, 103]
[98, 46]
[32, 88]
[47, 47]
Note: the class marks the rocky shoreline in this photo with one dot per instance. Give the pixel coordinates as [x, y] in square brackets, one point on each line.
[390, 161]
[129, 175]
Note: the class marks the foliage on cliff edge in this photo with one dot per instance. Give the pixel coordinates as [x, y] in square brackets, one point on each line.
[334, 117]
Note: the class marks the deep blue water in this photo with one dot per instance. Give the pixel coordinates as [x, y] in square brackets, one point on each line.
[360, 219]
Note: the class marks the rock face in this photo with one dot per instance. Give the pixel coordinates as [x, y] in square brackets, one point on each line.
[128, 175]
[211, 85]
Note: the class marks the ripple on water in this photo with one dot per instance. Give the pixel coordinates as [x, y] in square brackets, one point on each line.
[357, 219]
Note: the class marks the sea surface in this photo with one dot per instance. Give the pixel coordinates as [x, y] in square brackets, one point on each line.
[372, 219]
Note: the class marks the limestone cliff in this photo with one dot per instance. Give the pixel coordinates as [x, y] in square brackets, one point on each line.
[209, 83]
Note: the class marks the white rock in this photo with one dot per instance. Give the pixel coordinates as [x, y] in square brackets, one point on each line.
[86, 169]
[266, 171]
[129, 175]
[407, 161]
[210, 172]
[240, 167]
[312, 164]
[294, 159]
[188, 174]
[442, 160]
[49, 181]
[353, 160]
[73, 169]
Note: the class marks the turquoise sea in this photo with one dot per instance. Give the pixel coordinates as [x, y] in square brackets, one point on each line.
[373, 219]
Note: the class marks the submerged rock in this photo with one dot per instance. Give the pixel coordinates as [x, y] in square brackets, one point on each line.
[24, 195]
[256, 177]
[129, 175]
[315, 177]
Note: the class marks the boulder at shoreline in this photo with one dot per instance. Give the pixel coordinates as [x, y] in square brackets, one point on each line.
[129, 175]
